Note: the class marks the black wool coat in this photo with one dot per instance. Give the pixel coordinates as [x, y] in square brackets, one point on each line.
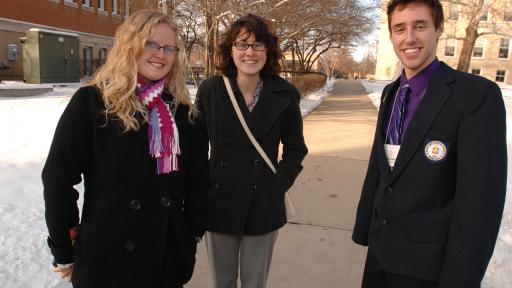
[136, 227]
[430, 218]
[245, 197]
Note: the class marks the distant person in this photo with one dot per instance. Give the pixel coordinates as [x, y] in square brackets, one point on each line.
[433, 197]
[246, 202]
[144, 167]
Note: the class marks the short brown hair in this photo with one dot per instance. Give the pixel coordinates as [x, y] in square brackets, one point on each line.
[436, 10]
[254, 25]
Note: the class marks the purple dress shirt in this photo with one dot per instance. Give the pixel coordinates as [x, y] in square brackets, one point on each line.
[418, 84]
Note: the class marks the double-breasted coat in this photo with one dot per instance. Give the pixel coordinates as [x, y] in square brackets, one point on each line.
[432, 218]
[245, 197]
[136, 227]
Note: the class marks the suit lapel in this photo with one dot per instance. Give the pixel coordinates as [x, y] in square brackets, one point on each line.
[267, 109]
[142, 134]
[385, 105]
[230, 109]
[432, 102]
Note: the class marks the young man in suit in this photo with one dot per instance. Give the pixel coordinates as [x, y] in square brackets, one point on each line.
[433, 197]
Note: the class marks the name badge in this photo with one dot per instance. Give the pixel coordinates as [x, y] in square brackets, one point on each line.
[391, 154]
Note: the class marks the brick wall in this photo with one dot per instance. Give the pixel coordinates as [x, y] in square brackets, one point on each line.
[64, 15]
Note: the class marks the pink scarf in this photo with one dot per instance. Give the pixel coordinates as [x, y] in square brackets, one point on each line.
[163, 134]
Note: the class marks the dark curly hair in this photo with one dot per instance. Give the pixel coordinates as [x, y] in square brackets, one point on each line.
[254, 25]
[436, 10]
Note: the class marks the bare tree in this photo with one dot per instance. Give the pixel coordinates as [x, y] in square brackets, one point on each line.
[307, 28]
[478, 16]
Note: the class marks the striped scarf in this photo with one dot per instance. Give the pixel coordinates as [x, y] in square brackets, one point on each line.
[163, 134]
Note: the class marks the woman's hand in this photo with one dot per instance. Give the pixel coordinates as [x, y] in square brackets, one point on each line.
[64, 270]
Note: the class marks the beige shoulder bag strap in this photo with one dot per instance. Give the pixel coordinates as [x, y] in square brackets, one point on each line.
[290, 212]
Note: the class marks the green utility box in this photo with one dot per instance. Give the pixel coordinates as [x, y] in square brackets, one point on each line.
[50, 57]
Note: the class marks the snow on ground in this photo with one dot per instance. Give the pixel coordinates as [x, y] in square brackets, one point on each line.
[500, 268]
[27, 128]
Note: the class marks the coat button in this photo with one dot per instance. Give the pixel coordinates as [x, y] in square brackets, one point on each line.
[217, 186]
[166, 201]
[255, 162]
[223, 164]
[135, 204]
[254, 187]
[389, 189]
[225, 141]
[384, 222]
[129, 246]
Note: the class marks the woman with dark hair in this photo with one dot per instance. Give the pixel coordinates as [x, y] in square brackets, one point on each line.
[246, 198]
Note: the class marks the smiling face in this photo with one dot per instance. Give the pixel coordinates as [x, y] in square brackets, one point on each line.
[248, 62]
[414, 37]
[154, 65]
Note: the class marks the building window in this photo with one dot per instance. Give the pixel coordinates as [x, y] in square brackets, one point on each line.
[449, 49]
[485, 8]
[102, 54]
[114, 6]
[504, 47]
[484, 17]
[87, 61]
[476, 71]
[500, 75]
[86, 3]
[507, 13]
[127, 8]
[478, 49]
[454, 12]
[69, 1]
[101, 4]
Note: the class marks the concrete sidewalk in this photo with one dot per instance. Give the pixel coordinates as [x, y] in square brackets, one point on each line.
[315, 250]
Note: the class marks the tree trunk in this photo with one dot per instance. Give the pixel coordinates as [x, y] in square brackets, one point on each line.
[293, 59]
[467, 48]
[209, 37]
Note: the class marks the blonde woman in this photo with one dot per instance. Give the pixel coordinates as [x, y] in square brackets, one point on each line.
[144, 165]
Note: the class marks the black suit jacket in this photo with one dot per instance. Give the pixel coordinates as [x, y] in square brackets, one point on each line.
[438, 220]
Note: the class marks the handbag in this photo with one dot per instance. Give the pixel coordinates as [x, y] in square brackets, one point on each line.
[290, 211]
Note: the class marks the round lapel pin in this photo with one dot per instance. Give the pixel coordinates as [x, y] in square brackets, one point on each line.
[435, 151]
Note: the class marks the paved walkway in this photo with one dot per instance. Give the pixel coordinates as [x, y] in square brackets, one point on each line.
[315, 250]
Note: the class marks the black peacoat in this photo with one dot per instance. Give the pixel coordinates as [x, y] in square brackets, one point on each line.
[245, 197]
[136, 227]
[431, 218]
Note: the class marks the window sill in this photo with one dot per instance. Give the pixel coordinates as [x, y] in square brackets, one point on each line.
[103, 12]
[88, 9]
[70, 4]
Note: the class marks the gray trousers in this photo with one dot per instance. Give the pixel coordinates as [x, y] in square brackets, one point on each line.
[254, 253]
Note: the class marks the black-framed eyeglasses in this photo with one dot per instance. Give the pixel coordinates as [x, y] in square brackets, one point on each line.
[256, 46]
[155, 47]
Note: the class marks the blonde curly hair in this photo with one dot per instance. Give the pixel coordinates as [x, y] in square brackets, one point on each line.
[117, 78]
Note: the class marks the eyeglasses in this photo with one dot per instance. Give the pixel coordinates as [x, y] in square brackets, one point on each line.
[155, 47]
[256, 46]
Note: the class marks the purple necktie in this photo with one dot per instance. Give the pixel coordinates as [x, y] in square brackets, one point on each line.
[398, 117]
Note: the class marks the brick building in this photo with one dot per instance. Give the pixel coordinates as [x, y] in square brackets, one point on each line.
[95, 22]
[491, 55]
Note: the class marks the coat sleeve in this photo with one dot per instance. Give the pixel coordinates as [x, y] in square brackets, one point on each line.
[364, 212]
[294, 146]
[365, 207]
[69, 155]
[196, 181]
[479, 192]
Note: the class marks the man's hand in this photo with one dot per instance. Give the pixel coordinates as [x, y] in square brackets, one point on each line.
[65, 271]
